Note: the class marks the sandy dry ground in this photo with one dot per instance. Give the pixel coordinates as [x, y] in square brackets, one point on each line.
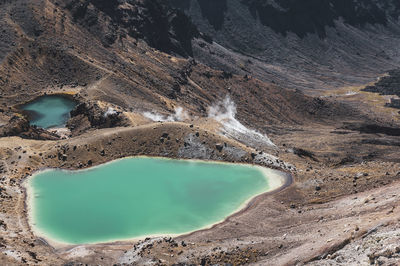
[332, 206]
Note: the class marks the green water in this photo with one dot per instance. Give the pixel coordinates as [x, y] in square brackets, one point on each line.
[135, 197]
[49, 111]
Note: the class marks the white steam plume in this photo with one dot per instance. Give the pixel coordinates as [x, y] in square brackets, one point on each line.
[179, 115]
[110, 111]
[224, 112]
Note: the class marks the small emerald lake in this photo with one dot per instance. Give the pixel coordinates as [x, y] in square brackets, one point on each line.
[49, 111]
[138, 197]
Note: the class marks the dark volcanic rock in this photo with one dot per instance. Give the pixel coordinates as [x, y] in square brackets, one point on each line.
[297, 16]
[162, 27]
[91, 115]
[313, 16]
[15, 126]
[19, 126]
[388, 85]
[39, 134]
[304, 153]
[374, 129]
[219, 147]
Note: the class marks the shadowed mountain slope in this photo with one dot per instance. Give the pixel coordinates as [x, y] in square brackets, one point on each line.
[305, 44]
[105, 52]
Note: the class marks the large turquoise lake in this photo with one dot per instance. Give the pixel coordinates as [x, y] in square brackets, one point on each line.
[137, 197]
[49, 111]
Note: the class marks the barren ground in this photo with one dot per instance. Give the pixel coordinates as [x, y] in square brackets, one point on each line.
[340, 145]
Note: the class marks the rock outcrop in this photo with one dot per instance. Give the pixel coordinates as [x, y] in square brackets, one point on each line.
[161, 26]
[388, 85]
[16, 125]
[90, 115]
[19, 126]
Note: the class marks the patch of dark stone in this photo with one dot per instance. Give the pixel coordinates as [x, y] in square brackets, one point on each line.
[346, 160]
[304, 153]
[165, 137]
[219, 147]
[373, 129]
[382, 142]
[388, 85]
[3, 225]
[162, 27]
[375, 257]
[19, 126]
[339, 132]
[90, 115]
[314, 16]
[33, 255]
[299, 17]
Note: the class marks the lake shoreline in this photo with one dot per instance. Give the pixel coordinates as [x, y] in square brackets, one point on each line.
[277, 181]
[37, 117]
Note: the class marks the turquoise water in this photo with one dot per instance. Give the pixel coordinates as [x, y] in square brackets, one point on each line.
[49, 111]
[136, 197]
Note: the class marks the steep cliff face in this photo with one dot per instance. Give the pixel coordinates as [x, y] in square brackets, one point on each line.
[162, 27]
[313, 44]
[299, 17]
[213, 11]
[312, 16]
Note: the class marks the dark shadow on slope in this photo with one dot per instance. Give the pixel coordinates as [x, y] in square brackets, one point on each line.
[313, 16]
[373, 129]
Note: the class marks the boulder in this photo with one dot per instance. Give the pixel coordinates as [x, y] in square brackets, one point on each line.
[219, 147]
[90, 115]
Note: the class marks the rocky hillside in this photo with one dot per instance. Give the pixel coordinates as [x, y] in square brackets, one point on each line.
[388, 85]
[305, 44]
[132, 55]
[215, 80]
[163, 28]
[299, 17]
